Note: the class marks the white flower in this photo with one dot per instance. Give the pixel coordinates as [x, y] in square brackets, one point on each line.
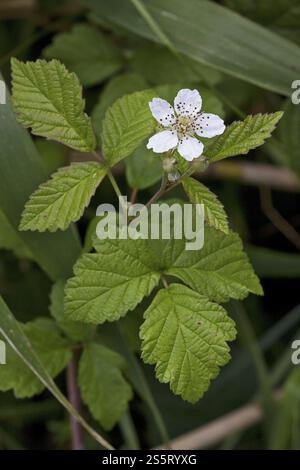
[182, 123]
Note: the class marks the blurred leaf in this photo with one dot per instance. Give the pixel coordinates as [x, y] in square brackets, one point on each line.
[63, 198]
[159, 66]
[53, 154]
[143, 168]
[116, 88]
[21, 172]
[274, 264]
[127, 123]
[264, 11]
[87, 52]
[10, 240]
[285, 432]
[103, 387]
[290, 136]
[242, 136]
[74, 330]
[214, 35]
[213, 209]
[53, 351]
[48, 99]
[185, 335]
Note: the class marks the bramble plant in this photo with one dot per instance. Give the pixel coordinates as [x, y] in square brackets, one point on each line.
[176, 295]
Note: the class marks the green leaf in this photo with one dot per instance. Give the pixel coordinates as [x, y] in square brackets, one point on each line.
[53, 351]
[87, 52]
[212, 35]
[116, 88]
[143, 168]
[103, 387]
[159, 66]
[274, 264]
[112, 281]
[242, 136]
[74, 330]
[63, 198]
[55, 253]
[213, 209]
[126, 125]
[10, 240]
[48, 99]
[220, 270]
[185, 336]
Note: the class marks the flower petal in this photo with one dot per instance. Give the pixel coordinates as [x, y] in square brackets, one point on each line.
[188, 102]
[209, 125]
[162, 111]
[163, 141]
[190, 148]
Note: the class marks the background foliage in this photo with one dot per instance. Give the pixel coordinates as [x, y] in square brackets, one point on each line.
[243, 57]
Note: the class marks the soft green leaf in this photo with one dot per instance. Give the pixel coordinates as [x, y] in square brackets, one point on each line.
[213, 209]
[112, 281]
[10, 240]
[53, 351]
[48, 99]
[285, 429]
[116, 88]
[53, 154]
[103, 387]
[213, 35]
[267, 12]
[87, 52]
[63, 198]
[274, 264]
[158, 65]
[143, 168]
[126, 125]
[242, 136]
[73, 330]
[185, 336]
[220, 270]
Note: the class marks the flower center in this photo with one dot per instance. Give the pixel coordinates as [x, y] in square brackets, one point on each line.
[183, 125]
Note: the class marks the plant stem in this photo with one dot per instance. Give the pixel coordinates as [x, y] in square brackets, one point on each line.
[133, 196]
[159, 193]
[129, 432]
[74, 398]
[277, 219]
[111, 177]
